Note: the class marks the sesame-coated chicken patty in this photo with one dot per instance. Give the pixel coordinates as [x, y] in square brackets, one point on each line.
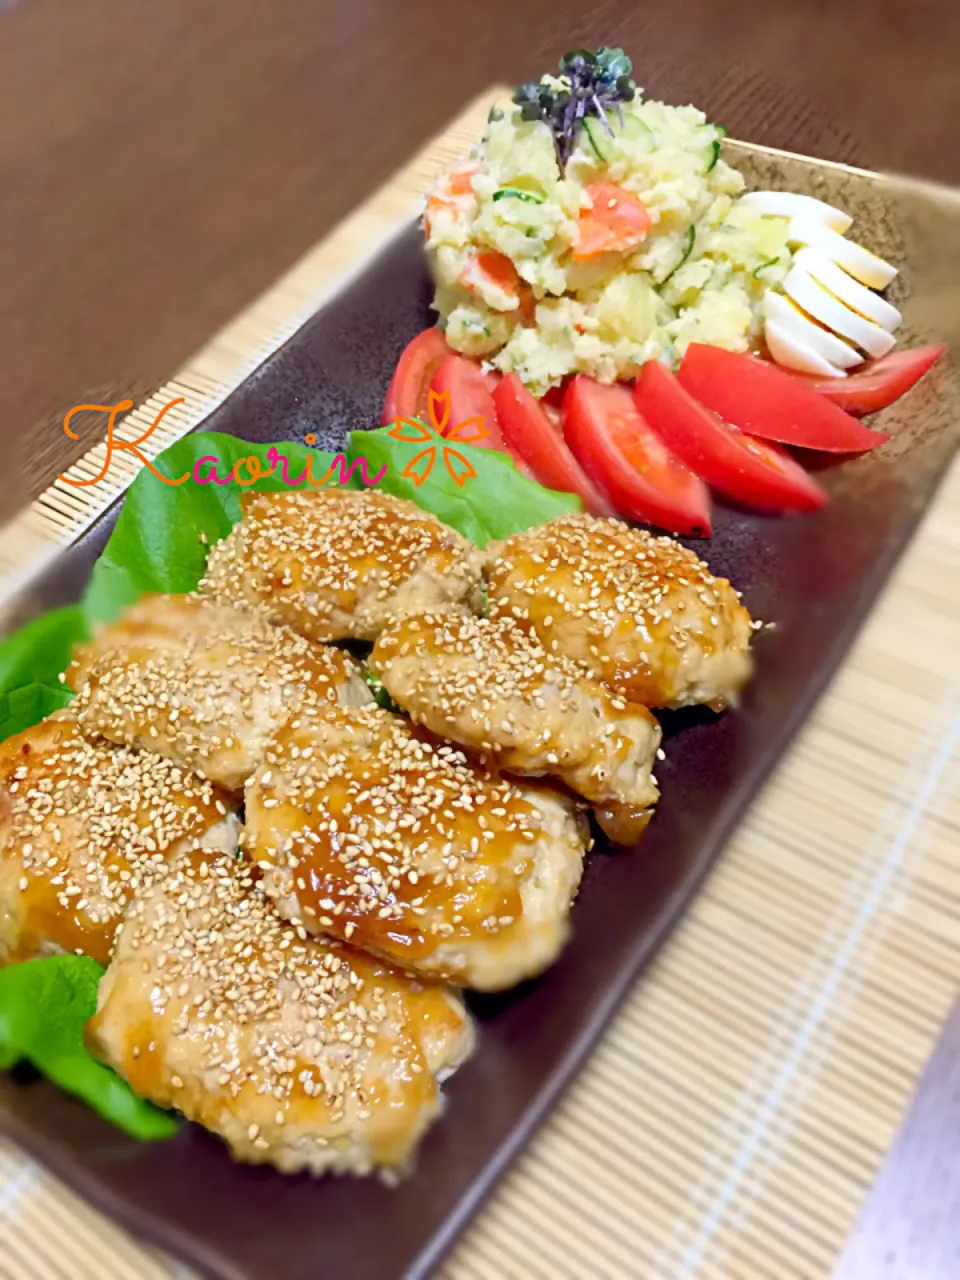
[336, 564]
[490, 685]
[204, 683]
[83, 826]
[369, 830]
[640, 613]
[299, 1052]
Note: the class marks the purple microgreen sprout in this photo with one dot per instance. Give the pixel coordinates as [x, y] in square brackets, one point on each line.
[593, 85]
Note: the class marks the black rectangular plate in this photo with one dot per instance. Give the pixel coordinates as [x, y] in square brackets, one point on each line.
[814, 576]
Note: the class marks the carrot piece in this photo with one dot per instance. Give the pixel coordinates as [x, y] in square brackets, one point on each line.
[617, 221]
[491, 269]
[434, 204]
[459, 182]
[527, 310]
[449, 196]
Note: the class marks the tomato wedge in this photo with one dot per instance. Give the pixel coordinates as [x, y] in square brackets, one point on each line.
[532, 434]
[552, 399]
[878, 383]
[616, 221]
[407, 393]
[768, 402]
[620, 453]
[750, 471]
[471, 396]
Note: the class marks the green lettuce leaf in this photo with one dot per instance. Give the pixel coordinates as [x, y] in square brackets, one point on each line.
[44, 1006]
[41, 650]
[28, 704]
[494, 503]
[163, 534]
[30, 663]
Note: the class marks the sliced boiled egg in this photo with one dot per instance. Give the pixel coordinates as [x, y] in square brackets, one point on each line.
[828, 313]
[823, 305]
[861, 263]
[790, 204]
[843, 286]
[797, 342]
[791, 354]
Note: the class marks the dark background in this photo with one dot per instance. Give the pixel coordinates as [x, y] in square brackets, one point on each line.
[163, 161]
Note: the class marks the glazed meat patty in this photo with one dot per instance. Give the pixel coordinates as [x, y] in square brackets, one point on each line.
[490, 685]
[335, 564]
[367, 829]
[299, 1052]
[83, 825]
[204, 683]
[640, 613]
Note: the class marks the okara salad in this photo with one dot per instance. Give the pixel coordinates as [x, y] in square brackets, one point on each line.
[632, 324]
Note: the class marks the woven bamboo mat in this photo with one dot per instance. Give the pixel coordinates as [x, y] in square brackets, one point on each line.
[738, 1109]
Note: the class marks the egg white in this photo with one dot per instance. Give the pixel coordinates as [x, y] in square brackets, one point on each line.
[824, 306]
[807, 347]
[861, 263]
[791, 204]
[851, 292]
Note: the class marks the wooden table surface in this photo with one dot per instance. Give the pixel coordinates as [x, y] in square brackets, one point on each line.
[162, 163]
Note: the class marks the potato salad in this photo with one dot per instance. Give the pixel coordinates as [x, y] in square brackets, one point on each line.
[626, 250]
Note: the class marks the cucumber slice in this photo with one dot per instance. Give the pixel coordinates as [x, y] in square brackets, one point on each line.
[689, 239]
[769, 262]
[599, 139]
[713, 150]
[517, 193]
[636, 130]
[603, 143]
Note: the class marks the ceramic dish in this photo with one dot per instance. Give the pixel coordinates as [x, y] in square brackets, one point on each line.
[814, 577]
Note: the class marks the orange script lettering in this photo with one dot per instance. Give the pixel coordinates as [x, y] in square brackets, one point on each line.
[119, 446]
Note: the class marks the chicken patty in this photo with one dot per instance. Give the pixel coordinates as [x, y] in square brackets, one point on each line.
[490, 685]
[368, 830]
[299, 1052]
[336, 564]
[204, 683]
[641, 613]
[83, 825]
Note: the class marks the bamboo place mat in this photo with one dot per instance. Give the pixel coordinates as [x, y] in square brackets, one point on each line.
[735, 1114]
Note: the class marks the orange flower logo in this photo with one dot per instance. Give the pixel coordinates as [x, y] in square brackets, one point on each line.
[435, 436]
